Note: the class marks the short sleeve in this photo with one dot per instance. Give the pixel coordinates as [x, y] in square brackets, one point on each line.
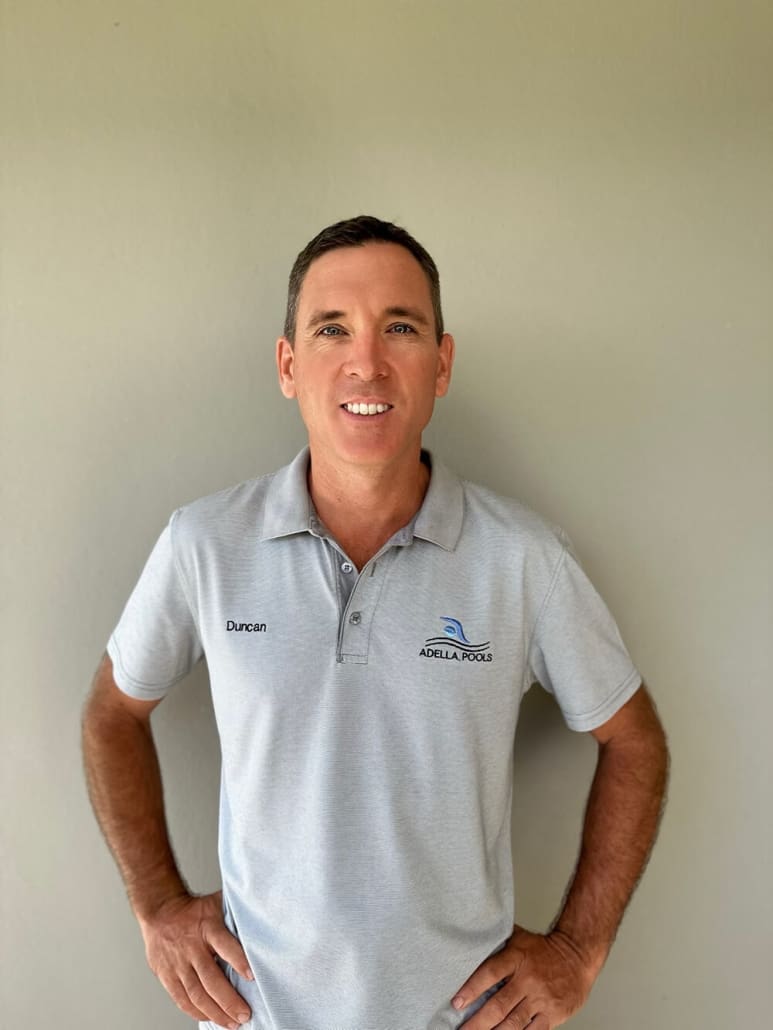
[156, 641]
[577, 653]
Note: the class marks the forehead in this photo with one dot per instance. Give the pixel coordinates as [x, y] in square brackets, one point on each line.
[378, 274]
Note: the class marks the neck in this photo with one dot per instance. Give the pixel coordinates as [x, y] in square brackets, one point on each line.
[363, 507]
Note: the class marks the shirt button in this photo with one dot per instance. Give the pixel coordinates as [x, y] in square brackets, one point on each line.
[347, 567]
[355, 618]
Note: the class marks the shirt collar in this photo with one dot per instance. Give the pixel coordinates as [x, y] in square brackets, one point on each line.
[288, 505]
[441, 514]
[289, 508]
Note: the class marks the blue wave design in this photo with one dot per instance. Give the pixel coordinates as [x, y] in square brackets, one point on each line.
[447, 642]
[454, 628]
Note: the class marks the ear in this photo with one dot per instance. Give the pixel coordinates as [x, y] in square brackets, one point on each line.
[285, 364]
[446, 351]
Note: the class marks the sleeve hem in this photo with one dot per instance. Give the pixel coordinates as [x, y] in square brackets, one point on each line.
[134, 687]
[599, 715]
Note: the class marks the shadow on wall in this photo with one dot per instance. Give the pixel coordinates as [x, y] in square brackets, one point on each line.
[189, 752]
[553, 770]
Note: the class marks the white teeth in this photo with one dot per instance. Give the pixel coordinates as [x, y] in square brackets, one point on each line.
[367, 409]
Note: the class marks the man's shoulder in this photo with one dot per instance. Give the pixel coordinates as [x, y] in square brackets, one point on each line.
[495, 514]
[240, 496]
[235, 511]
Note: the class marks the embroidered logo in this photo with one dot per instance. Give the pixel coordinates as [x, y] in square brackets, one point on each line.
[245, 627]
[454, 645]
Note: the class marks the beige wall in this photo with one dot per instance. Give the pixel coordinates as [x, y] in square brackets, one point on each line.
[594, 182]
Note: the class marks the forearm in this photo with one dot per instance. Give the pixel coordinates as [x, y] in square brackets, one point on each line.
[621, 821]
[124, 782]
[182, 933]
[547, 977]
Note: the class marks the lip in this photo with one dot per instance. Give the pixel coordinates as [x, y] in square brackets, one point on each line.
[366, 400]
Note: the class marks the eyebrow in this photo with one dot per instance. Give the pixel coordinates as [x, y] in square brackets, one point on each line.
[413, 313]
[318, 317]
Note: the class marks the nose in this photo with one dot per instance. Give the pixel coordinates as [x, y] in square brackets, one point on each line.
[366, 357]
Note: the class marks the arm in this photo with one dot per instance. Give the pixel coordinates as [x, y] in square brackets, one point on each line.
[549, 977]
[621, 822]
[182, 933]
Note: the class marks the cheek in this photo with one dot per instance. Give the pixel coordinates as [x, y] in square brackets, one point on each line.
[311, 394]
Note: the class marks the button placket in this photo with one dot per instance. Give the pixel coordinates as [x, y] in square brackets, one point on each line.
[358, 614]
[348, 582]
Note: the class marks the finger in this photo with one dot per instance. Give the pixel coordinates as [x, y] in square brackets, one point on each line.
[174, 988]
[200, 998]
[496, 1010]
[494, 970]
[222, 992]
[540, 1022]
[518, 1018]
[229, 948]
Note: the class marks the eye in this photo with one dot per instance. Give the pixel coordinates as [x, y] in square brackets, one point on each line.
[402, 329]
[330, 330]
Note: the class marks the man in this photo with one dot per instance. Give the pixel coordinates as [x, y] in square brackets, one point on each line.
[370, 624]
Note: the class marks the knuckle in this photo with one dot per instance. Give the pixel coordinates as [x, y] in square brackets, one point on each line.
[217, 988]
[515, 1022]
[501, 966]
[197, 994]
[190, 1010]
[183, 1002]
[209, 969]
[218, 939]
[235, 1004]
[173, 987]
[500, 1008]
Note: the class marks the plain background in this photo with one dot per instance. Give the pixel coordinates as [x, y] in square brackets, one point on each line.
[594, 181]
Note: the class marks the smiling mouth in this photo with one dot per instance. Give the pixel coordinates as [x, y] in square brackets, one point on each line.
[366, 409]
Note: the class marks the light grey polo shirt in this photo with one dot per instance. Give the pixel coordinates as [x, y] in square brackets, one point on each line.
[367, 723]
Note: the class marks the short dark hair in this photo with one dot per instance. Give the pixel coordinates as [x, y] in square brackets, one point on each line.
[355, 232]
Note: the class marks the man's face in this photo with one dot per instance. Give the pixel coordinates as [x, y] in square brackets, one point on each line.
[365, 341]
